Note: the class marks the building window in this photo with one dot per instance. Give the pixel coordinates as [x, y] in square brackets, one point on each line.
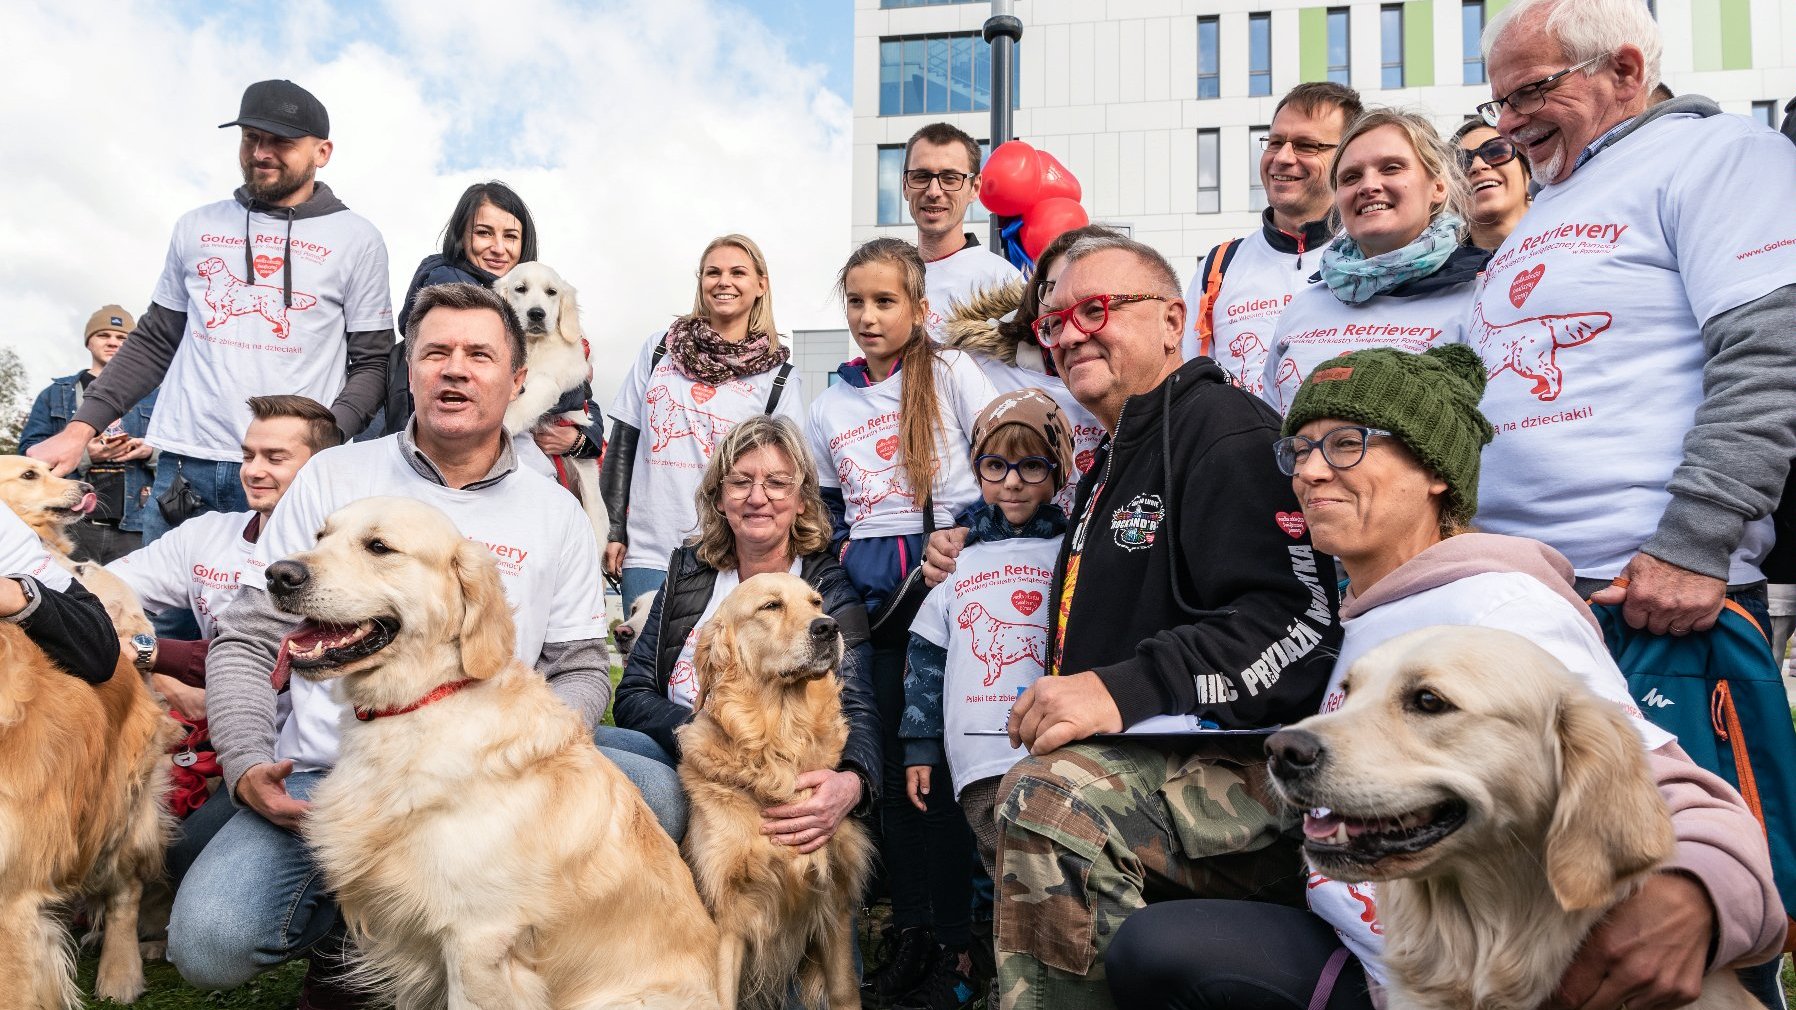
[892, 208]
[1471, 34]
[1390, 34]
[1256, 146]
[1259, 54]
[1209, 59]
[936, 74]
[1338, 70]
[1765, 112]
[1209, 171]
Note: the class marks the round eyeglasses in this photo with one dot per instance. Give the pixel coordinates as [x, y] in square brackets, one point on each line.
[777, 487]
[1088, 316]
[1343, 448]
[1030, 469]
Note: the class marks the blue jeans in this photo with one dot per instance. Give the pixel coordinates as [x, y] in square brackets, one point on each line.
[216, 483]
[639, 582]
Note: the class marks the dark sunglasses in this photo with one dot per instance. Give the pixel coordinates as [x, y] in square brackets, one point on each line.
[1495, 151]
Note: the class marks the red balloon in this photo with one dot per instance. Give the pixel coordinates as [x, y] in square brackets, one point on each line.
[1048, 220]
[1056, 180]
[1010, 182]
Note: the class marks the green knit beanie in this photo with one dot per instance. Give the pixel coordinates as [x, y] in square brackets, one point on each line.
[1429, 400]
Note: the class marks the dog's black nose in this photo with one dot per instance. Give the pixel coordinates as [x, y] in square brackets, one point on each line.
[85, 487]
[1294, 753]
[287, 576]
[536, 315]
[823, 627]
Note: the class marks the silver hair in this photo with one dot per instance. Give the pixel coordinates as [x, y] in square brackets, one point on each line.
[1437, 157]
[1586, 29]
[1164, 276]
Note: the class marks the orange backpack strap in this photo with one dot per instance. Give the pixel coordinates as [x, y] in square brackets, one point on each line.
[1214, 265]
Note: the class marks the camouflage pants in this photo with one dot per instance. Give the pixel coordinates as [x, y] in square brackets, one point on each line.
[1094, 831]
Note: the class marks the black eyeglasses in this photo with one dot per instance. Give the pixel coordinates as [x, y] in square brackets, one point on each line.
[1307, 148]
[996, 469]
[949, 181]
[1342, 448]
[1528, 98]
[1495, 151]
[775, 486]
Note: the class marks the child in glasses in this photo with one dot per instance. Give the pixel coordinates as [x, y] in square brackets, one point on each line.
[891, 446]
[982, 635]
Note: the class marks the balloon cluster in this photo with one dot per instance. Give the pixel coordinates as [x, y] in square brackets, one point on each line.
[1035, 198]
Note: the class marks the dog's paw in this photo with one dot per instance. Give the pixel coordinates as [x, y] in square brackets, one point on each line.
[153, 950]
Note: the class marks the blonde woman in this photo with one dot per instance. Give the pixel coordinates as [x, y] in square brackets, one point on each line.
[710, 369]
[1398, 273]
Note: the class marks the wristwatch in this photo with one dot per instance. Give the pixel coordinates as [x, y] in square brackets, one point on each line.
[146, 651]
[27, 586]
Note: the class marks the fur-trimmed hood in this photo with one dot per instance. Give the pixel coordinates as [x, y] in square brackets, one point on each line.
[982, 324]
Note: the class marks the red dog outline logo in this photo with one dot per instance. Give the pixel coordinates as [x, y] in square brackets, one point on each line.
[228, 295]
[669, 419]
[1287, 372]
[1242, 346]
[1530, 347]
[999, 644]
[870, 487]
[683, 672]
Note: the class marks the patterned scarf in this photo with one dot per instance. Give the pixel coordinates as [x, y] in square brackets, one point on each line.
[701, 355]
[1355, 278]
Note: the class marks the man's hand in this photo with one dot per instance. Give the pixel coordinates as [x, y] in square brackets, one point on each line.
[555, 439]
[939, 554]
[1056, 711]
[916, 786]
[808, 824]
[188, 700]
[105, 450]
[1649, 952]
[136, 449]
[63, 450]
[614, 562]
[264, 789]
[1663, 598]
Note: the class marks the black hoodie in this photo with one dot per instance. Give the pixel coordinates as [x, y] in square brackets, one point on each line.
[1198, 592]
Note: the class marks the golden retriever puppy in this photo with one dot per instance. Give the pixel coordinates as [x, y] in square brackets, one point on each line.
[50, 505]
[769, 708]
[1503, 804]
[483, 852]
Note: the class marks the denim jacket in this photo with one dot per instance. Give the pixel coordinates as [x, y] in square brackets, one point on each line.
[52, 411]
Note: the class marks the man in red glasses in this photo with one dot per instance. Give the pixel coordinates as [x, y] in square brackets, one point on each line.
[1186, 596]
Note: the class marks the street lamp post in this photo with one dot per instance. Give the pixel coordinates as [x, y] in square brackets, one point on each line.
[1002, 31]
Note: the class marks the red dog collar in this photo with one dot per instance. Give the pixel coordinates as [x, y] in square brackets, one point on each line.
[371, 714]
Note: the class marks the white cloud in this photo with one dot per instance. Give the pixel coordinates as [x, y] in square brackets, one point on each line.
[635, 132]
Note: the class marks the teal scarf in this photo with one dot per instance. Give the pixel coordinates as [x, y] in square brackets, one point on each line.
[1355, 278]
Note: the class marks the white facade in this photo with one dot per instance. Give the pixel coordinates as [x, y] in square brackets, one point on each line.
[1110, 88]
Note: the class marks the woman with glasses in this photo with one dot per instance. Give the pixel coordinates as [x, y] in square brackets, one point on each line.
[710, 369]
[1383, 453]
[1398, 273]
[758, 511]
[1497, 180]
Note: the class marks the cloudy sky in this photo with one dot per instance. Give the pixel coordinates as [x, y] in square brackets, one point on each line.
[635, 129]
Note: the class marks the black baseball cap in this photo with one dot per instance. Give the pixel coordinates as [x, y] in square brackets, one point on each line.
[284, 109]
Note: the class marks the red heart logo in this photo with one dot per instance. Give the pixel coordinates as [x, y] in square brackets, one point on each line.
[702, 392]
[1524, 284]
[267, 265]
[1084, 460]
[1292, 523]
[887, 447]
[1026, 602]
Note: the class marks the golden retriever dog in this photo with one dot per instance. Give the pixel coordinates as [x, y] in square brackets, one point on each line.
[557, 356]
[483, 852]
[1503, 807]
[769, 708]
[82, 774]
[50, 505]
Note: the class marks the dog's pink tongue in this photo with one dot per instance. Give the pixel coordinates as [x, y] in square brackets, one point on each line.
[89, 502]
[1320, 824]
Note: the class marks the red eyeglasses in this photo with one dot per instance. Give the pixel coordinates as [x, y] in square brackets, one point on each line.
[1087, 315]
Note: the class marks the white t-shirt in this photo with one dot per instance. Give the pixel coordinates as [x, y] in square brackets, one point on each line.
[681, 421]
[1318, 326]
[682, 681]
[957, 279]
[195, 566]
[1509, 601]
[854, 433]
[1258, 284]
[1589, 319]
[991, 617]
[242, 340]
[543, 543]
[1087, 432]
[22, 553]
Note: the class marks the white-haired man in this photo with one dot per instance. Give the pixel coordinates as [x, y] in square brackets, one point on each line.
[1637, 328]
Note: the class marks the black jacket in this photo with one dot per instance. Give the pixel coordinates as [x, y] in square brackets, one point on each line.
[73, 630]
[1198, 592]
[642, 704]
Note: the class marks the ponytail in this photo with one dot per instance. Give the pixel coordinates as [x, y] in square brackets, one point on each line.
[919, 403]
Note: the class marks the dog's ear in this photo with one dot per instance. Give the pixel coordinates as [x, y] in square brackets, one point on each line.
[487, 633]
[716, 648]
[567, 315]
[1609, 822]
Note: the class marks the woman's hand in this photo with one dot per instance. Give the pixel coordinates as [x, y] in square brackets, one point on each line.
[916, 786]
[808, 824]
[614, 562]
[555, 439]
[189, 701]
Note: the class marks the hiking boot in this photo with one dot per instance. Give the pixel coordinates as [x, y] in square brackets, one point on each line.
[948, 986]
[326, 986]
[907, 957]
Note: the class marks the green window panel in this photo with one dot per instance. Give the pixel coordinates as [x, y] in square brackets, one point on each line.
[1312, 43]
[1418, 43]
[1705, 34]
[1736, 34]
